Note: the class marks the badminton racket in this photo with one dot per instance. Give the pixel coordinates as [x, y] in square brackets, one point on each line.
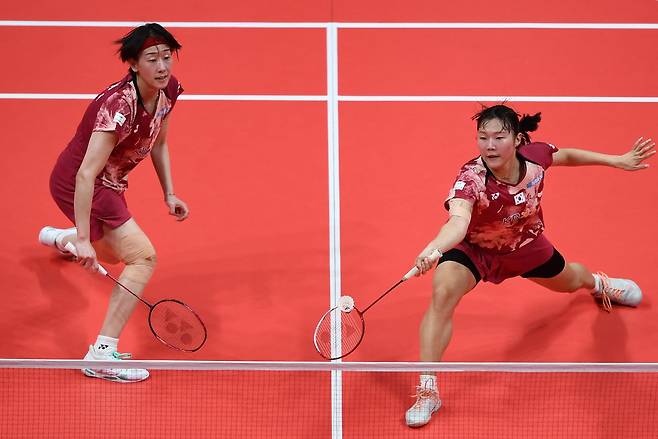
[333, 342]
[171, 321]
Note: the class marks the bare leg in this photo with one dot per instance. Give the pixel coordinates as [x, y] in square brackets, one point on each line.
[450, 283]
[573, 277]
[133, 247]
[610, 290]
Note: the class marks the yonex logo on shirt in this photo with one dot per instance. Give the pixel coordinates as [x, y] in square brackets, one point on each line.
[459, 185]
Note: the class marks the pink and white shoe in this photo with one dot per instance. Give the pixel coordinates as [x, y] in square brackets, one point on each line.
[427, 402]
[118, 375]
[614, 290]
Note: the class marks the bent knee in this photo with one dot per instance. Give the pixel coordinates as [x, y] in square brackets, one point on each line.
[139, 255]
[445, 299]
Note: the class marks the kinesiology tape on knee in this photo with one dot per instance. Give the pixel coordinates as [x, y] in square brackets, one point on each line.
[137, 252]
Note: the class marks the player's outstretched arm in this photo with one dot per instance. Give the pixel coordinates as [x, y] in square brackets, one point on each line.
[633, 160]
[451, 234]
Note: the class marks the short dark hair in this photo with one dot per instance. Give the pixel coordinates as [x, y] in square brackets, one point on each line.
[510, 119]
[131, 43]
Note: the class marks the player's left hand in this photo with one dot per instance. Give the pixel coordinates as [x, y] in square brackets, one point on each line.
[177, 207]
[632, 160]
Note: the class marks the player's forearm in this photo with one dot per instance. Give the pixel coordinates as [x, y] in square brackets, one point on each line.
[452, 233]
[582, 157]
[84, 191]
[162, 165]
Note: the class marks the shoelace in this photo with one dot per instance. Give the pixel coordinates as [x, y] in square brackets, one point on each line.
[119, 356]
[607, 292]
[423, 394]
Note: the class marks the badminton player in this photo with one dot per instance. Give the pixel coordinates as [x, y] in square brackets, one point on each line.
[495, 232]
[123, 125]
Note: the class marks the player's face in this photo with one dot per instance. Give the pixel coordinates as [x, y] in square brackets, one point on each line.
[497, 145]
[154, 66]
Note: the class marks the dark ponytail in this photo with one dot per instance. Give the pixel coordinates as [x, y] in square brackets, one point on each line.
[528, 124]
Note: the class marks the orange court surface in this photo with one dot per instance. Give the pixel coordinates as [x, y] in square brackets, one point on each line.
[315, 144]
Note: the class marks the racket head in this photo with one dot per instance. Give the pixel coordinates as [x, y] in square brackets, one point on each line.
[333, 345]
[175, 324]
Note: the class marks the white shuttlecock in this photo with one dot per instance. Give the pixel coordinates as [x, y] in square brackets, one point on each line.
[346, 303]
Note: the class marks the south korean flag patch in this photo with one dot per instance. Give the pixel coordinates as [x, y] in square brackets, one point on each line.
[519, 198]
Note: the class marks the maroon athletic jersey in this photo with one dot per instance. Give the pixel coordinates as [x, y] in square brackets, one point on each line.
[505, 217]
[118, 109]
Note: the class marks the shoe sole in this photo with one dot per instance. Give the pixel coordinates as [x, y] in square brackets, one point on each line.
[436, 409]
[113, 378]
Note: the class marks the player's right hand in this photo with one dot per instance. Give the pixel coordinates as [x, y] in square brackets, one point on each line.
[86, 255]
[426, 260]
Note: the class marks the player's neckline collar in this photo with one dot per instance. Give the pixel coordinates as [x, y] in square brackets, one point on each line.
[140, 101]
[523, 169]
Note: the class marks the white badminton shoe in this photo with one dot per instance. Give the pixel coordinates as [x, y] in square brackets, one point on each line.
[117, 375]
[427, 402]
[52, 237]
[614, 290]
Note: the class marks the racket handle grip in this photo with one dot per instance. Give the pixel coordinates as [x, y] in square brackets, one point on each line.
[414, 271]
[71, 249]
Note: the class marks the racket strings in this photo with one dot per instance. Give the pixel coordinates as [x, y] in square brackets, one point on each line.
[175, 324]
[333, 344]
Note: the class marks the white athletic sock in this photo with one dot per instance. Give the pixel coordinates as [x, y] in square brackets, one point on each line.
[597, 283]
[106, 344]
[428, 381]
[60, 238]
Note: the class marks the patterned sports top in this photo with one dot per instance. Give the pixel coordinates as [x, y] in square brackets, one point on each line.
[505, 217]
[118, 109]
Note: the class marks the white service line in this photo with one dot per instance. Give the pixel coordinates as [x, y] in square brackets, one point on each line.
[441, 98]
[352, 98]
[339, 25]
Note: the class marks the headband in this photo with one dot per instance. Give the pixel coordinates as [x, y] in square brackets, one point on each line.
[152, 41]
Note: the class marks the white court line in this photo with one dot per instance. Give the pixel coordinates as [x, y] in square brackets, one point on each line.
[628, 26]
[334, 225]
[184, 97]
[344, 25]
[171, 24]
[322, 98]
[439, 98]
[193, 97]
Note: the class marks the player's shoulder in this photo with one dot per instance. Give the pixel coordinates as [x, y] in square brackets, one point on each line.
[475, 166]
[118, 94]
[473, 173]
[537, 148]
[538, 152]
[174, 88]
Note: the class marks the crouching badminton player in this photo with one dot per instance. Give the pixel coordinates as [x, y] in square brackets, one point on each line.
[495, 232]
[122, 126]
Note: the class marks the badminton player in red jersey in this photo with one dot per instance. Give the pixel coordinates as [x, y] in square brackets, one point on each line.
[495, 232]
[123, 125]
